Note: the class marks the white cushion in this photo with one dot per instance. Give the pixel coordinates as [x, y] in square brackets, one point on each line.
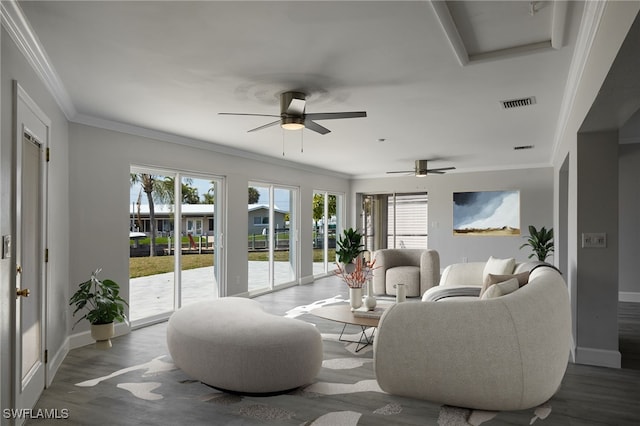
[501, 289]
[498, 267]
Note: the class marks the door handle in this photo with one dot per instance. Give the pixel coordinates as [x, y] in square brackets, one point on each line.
[25, 292]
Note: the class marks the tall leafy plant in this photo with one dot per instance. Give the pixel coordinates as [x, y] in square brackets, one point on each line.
[349, 246]
[101, 300]
[540, 241]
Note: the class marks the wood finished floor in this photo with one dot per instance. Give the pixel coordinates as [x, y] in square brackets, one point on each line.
[588, 395]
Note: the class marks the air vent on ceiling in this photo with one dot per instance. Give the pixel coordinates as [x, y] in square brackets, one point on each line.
[517, 148]
[516, 103]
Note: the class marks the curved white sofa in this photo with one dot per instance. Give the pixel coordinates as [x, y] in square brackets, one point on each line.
[506, 353]
[232, 344]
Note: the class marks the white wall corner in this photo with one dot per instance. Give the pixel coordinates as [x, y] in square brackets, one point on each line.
[56, 361]
[598, 357]
[629, 296]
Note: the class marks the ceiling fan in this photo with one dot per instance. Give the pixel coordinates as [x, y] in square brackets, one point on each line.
[293, 117]
[422, 170]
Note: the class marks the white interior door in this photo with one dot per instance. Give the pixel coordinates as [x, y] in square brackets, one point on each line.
[32, 133]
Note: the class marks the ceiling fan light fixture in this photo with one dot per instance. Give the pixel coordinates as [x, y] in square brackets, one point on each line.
[292, 123]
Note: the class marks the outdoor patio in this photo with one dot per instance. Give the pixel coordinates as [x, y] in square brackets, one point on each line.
[154, 295]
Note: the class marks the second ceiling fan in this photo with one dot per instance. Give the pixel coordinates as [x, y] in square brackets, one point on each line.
[293, 116]
[421, 169]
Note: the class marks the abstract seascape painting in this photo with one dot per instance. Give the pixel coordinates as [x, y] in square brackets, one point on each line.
[486, 213]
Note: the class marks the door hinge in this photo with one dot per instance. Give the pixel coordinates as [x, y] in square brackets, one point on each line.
[48, 154]
[46, 255]
[46, 356]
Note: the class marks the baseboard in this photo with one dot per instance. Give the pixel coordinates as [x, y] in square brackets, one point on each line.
[629, 296]
[598, 357]
[55, 362]
[306, 280]
[84, 338]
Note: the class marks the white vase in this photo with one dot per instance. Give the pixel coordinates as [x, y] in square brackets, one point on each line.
[401, 293]
[102, 334]
[355, 297]
[370, 300]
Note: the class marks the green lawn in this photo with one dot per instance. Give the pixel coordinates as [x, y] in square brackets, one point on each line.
[144, 266]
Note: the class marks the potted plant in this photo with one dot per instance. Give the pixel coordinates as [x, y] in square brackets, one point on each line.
[349, 246]
[540, 241]
[356, 279]
[103, 305]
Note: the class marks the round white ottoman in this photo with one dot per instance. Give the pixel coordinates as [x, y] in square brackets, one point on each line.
[232, 344]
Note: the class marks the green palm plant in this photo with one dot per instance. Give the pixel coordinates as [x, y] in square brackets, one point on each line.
[349, 246]
[540, 241]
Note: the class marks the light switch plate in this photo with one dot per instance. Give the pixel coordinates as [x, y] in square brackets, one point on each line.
[594, 240]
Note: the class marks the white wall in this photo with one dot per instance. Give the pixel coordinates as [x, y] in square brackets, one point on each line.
[15, 67]
[536, 208]
[100, 161]
[611, 30]
[597, 274]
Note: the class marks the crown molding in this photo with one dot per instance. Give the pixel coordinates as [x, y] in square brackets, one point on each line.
[143, 132]
[591, 17]
[25, 38]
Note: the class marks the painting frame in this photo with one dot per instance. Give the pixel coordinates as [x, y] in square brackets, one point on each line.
[487, 213]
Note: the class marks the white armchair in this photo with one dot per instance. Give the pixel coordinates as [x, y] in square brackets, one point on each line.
[417, 269]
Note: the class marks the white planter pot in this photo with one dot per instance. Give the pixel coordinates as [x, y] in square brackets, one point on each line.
[102, 334]
[355, 298]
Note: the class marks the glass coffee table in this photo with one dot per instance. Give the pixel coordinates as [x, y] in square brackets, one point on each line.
[342, 313]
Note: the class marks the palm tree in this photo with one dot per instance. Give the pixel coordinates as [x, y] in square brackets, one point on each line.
[164, 191]
[209, 197]
[254, 195]
[148, 183]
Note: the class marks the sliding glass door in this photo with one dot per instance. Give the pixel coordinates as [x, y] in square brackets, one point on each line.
[272, 239]
[201, 226]
[175, 241]
[395, 220]
[327, 214]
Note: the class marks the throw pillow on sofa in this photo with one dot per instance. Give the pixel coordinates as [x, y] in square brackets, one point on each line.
[501, 289]
[522, 277]
[498, 267]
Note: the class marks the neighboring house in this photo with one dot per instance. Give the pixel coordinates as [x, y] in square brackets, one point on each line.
[197, 219]
[259, 219]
